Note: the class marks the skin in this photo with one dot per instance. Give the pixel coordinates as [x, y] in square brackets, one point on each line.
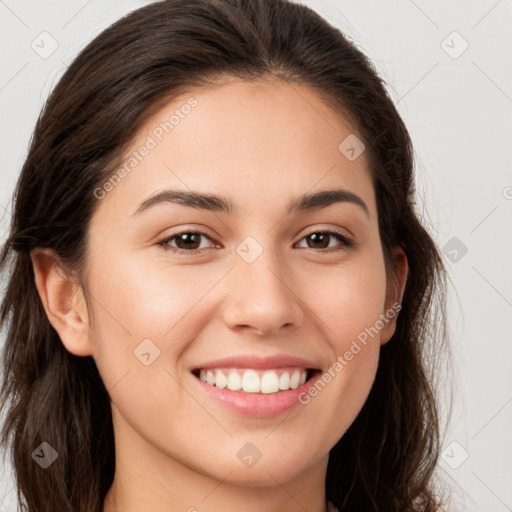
[261, 144]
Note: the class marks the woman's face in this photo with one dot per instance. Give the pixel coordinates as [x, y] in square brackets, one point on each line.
[262, 285]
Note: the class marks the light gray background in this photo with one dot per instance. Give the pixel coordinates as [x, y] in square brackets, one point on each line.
[458, 111]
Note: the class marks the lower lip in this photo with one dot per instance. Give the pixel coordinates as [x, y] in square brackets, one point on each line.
[258, 405]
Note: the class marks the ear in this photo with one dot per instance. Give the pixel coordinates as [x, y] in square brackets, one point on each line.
[63, 300]
[394, 294]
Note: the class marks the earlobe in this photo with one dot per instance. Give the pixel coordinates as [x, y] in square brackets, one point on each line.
[63, 300]
[394, 295]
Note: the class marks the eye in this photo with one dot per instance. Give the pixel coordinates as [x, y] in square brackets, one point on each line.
[187, 242]
[322, 239]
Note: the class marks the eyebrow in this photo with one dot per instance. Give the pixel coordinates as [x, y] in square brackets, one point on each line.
[214, 203]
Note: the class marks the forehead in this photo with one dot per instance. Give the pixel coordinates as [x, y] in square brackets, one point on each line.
[255, 142]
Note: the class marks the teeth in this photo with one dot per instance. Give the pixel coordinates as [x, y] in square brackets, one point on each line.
[294, 380]
[234, 381]
[284, 381]
[251, 382]
[254, 381]
[220, 380]
[270, 382]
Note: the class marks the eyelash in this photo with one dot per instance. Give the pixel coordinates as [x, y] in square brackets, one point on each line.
[348, 243]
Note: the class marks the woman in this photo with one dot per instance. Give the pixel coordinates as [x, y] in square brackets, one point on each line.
[219, 294]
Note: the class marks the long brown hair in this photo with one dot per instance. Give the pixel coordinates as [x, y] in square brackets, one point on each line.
[386, 460]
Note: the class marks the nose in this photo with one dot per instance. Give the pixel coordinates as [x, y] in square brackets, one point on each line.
[261, 296]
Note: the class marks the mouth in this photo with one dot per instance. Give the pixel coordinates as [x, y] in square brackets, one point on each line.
[256, 381]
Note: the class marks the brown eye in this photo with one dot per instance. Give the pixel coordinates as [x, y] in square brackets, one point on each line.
[186, 241]
[189, 242]
[320, 240]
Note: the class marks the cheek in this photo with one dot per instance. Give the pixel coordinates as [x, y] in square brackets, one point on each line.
[146, 300]
[350, 303]
[350, 299]
[131, 304]
[349, 308]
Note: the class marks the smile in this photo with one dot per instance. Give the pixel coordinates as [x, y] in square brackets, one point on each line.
[249, 380]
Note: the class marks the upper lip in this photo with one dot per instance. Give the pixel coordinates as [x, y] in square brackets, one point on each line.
[253, 361]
